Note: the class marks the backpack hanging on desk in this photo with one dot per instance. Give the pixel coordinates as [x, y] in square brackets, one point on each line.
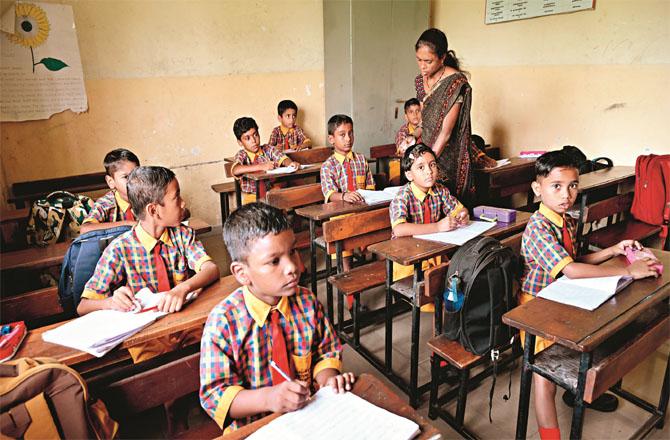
[79, 264]
[59, 214]
[583, 164]
[44, 399]
[651, 203]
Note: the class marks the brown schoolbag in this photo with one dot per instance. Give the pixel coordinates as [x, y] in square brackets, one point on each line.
[42, 398]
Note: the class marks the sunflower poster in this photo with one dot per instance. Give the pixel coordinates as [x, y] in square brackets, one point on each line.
[40, 66]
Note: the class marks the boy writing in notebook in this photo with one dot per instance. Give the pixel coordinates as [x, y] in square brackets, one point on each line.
[423, 206]
[548, 251]
[113, 209]
[288, 136]
[270, 318]
[254, 157]
[158, 253]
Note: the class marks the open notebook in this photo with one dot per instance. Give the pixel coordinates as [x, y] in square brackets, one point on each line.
[585, 293]
[459, 235]
[331, 416]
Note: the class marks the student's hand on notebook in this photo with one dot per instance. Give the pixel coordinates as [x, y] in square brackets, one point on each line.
[642, 269]
[342, 382]
[124, 299]
[268, 166]
[463, 217]
[620, 248]
[172, 300]
[352, 197]
[287, 396]
[448, 223]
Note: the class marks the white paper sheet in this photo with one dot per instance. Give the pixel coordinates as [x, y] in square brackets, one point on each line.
[373, 197]
[331, 416]
[585, 293]
[285, 170]
[460, 235]
[501, 162]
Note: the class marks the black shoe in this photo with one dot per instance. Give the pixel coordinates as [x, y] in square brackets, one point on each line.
[605, 403]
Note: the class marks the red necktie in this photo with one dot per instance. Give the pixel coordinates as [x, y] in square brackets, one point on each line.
[161, 268]
[426, 210]
[351, 185]
[567, 240]
[286, 144]
[279, 352]
[128, 215]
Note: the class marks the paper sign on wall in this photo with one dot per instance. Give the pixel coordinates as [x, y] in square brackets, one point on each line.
[498, 11]
[40, 67]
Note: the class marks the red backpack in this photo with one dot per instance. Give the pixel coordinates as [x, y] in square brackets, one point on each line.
[651, 203]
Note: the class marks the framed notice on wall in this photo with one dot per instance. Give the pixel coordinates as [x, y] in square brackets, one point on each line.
[498, 11]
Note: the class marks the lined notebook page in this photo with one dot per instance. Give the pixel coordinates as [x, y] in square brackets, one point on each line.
[585, 293]
[331, 416]
[459, 235]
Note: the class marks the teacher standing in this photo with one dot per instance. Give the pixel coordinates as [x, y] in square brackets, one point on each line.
[446, 99]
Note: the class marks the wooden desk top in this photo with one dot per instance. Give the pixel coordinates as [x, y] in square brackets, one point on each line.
[601, 178]
[410, 250]
[192, 316]
[584, 330]
[325, 211]
[52, 255]
[374, 391]
[516, 163]
[263, 175]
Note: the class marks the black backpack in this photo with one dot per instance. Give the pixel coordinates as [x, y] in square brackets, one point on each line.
[483, 271]
[79, 264]
[583, 164]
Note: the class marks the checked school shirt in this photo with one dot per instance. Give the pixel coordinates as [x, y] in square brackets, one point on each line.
[128, 261]
[236, 347]
[108, 208]
[405, 130]
[542, 251]
[334, 177]
[285, 138]
[407, 206]
[266, 153]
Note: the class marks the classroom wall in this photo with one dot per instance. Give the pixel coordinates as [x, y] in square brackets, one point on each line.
[167, 79]
[597, 79]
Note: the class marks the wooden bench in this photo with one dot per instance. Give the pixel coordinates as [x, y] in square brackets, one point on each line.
[294, 197]
[224, 190]
[382, 154]
[22, 193]
[453, 353]
[13, 224]
[347, 234]
[619, 224]
[37, 308]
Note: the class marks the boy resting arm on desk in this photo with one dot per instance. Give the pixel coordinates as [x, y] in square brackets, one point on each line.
[113, 209]
[547, 249]
[288, 135]
[270, 318]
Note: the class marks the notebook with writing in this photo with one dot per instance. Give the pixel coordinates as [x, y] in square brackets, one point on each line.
[585, 293]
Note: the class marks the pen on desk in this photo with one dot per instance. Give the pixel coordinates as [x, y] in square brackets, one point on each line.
[280, 371]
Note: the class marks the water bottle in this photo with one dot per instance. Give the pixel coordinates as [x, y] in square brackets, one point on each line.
[453, 296]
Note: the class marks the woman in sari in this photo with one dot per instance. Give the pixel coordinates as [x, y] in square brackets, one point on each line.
[446, 99]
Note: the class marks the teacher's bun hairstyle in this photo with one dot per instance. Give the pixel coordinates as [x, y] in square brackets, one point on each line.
[436, 41]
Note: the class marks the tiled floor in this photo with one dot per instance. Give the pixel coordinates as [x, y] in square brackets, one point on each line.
[645, 380]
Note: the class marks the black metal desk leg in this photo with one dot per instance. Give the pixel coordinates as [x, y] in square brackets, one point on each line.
[526, 381]
[223, 200]
[312, 263]
[665, 394]
[434, 385]
[580, 406]
[414, 352]
[388, 347]
[238, 193]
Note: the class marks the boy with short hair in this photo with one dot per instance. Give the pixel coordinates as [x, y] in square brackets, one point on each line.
[270, 318]
[158, 253]
[548, 250]
[423, 206]
[410, 132]
[113, 209]
[288, 136]
[254, 157]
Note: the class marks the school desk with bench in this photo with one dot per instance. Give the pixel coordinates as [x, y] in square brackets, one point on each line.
[593, 350]
[410, 251]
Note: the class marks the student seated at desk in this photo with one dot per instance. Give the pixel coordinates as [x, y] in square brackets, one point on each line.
[254, 157]
[288, 136]
[423, 206]
[409, 134]
[270, 318]
[344, 172]
[113, 209]
[158, 253]
[547, 250]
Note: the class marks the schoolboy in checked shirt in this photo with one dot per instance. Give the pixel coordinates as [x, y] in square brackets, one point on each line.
[270, 318]
[113, 209]
[254, 157]
[288, 135]
[158, 253]
[548, 250]
[423, 206]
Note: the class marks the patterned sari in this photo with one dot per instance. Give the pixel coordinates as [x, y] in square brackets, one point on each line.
[455, 162]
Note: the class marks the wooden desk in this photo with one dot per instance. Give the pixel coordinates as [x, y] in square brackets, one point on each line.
[260, 176]
[374, 391]
[317, 214]
[40, 257]
[494, 184]
[413, 251]
[580, 335]
[192, 316]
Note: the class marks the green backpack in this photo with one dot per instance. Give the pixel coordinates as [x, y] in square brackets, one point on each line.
[60, 213]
